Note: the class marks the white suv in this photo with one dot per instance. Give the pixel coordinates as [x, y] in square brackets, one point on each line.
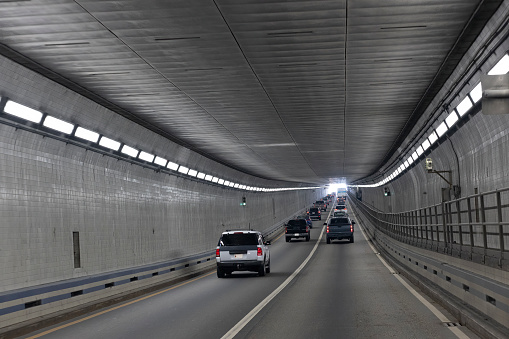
[242, 251]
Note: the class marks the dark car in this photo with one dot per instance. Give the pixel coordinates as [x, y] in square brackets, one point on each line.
[321, 204]
[314, 212]
[339, 228]
[297, 228]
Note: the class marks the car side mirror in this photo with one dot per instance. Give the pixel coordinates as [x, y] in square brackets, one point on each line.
[353, 222]
[325, 224]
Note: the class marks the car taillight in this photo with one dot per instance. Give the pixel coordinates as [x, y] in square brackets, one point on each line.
[307, 229]
[351, 228]
[286, 229]
[259, 251]
[327, 229]
[217, 252]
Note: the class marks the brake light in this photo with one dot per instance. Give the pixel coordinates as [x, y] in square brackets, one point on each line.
[217, 253]
[351, 228]
[259, 251]
[286, 229]
[327, 229]
[307, 229]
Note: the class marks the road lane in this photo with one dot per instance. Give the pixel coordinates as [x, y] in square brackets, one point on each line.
[343, 292]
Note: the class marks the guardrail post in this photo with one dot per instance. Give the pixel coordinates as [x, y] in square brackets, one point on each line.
[483, 222]
[500, 225]
[458, 211]
[470, 226]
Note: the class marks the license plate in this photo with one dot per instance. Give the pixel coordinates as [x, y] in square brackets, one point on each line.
[238, 256]
[296, 234]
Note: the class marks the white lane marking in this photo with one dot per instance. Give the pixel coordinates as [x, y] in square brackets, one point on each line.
[244, 321]
[419, 297]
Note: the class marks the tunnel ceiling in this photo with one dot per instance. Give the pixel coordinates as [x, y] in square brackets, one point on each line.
[302, 91]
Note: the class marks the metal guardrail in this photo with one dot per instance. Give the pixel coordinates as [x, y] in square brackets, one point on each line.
[475, 228]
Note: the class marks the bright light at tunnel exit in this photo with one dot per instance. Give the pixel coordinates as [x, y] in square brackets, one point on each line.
[335, 187]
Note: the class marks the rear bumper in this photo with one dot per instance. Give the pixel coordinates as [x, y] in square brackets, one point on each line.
[294, 235]
[339, 236]
[240, 265]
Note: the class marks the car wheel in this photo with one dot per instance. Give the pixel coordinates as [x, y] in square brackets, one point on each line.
[328, 241]
[267, 270]
[220, 273]
[287, 239]
[261, 270]
[307, 238]
[351, 239]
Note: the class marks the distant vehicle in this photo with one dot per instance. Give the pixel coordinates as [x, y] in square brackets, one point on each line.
[341, 207]
[314, 212]
[321, 204]
[338, 214]
[242, 251]
[297, 228]
[339, 228]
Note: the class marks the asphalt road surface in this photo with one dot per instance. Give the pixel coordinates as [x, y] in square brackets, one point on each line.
[314, 290]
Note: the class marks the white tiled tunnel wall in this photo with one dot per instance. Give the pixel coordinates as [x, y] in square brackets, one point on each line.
[126, 215]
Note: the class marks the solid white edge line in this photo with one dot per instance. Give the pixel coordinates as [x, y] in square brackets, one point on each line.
[419, 297]
[244, 321]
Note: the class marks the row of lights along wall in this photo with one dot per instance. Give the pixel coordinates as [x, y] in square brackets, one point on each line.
[465, 105]
[35, 119]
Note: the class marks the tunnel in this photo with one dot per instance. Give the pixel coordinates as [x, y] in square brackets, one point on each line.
[135, 134]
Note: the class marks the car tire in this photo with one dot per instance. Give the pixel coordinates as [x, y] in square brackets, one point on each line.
[307, 238]
[351, 239]
[220, 273]
[261, 270]
[328, 241]
[287, 239]
[267, 270]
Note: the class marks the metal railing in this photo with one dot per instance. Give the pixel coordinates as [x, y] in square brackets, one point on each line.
[475, 227]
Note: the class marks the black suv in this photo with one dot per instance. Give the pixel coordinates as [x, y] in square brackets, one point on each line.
[339, 228]
[297, 228]
[314, 212]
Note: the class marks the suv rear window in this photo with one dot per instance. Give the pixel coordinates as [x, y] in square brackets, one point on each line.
[299, 222]
[239, 239]
[339, 221]
[314, 209]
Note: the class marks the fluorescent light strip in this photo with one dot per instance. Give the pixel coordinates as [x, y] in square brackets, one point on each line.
[132, 152]
[502, 67]
[464, 106]
[220, 181]
[415, 156]
[215, 179]
[193, 172]
[22, 112]
[432, 138]
[201, 175]
[441, 129]
[58, 125]
[476, 93]
[419, 151]
[173, 166]
[161, 161]
[109, 143]
[86, 134]
[452, 118]
[208, 177]
[425, 144]
[183, 169]
[146, 156]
